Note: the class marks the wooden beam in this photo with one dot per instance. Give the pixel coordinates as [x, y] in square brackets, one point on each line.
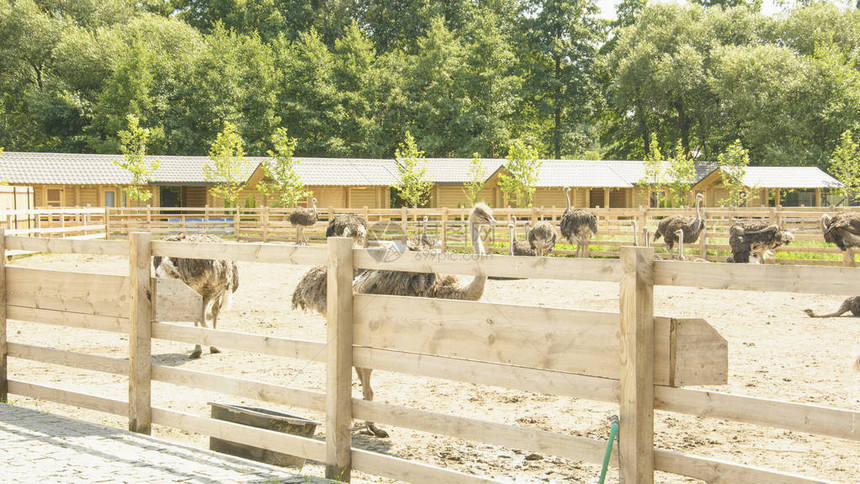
[64, 318]
[636, 433]
[140, 335]
[339, 366]
[275, 254]
[85, 293]
[68, 397]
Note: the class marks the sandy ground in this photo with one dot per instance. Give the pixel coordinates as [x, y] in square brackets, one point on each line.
[775, 351]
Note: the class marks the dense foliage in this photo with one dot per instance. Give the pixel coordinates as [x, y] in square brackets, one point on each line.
[349, 78]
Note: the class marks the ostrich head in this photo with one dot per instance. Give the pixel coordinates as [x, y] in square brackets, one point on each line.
[786, 237]
[314, 202]
[482, 215]
[825, 222]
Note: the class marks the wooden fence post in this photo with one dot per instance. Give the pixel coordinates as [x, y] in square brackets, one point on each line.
[149, 218]
[444, 229]
[107, 224]
[236, 220]
[636, 399]
[205, 219]
[339, 362]
[265, 222]
[4, 384]
[140, 333]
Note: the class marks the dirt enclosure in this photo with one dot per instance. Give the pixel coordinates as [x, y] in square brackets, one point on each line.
[775, 351]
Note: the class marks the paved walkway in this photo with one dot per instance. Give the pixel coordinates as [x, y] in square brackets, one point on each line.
[41, 447]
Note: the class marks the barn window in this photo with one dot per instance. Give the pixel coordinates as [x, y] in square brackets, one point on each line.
[110, 198]
[54, 197]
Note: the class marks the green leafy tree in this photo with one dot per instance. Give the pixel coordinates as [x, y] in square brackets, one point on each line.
[281, 183]
[733, 165]
[414, 187]
[681, 174]
[133, 146]
[845, 165]
[477, 178]
[227, 167]
[523, 169]
[653, 177]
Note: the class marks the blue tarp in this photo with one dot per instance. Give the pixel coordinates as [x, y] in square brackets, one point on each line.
[223, 225]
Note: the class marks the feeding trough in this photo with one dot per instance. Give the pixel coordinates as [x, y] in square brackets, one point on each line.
[263, 419]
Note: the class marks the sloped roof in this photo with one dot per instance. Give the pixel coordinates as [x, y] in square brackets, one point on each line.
[91, 169]
[455, 171]
[580, 173]
[788, 177]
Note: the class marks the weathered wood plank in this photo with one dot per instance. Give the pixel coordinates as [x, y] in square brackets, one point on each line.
[752, 277]
[241, 434]
[240, 387]
[636, 433]
[271, 253]
[814, 419]
[68, 397]
[254, 343]
[4, 388]
[718, 471]
[71, 359]
[409, 471]
[73, 320]
[339, 315]
[176, 302]
[99, 294]
[140, 334]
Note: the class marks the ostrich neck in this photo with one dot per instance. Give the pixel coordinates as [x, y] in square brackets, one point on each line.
[512, 237]
[698, 210]
[475, 289]
[567, 197]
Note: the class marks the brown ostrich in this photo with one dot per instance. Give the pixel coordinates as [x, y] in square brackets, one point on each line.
[756, 239]
[310, 293]
[577, 226]
[692, 226]
[518, 247]
[541, 238]
[851, 304]
[842, 229]
[303, 217]
[214, 280]
[348, 225]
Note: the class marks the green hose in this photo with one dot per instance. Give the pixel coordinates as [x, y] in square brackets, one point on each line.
[613, 431]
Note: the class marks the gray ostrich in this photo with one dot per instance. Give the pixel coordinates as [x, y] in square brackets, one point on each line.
[755, 239]
[303, 217]
[634, 226]
[851, 304]
[348, 225]
[577, 226]
[310, 293]
[518, 247]
[842, 229]
[541, 238]
[423, 241]
[692, 226]
[214, 280]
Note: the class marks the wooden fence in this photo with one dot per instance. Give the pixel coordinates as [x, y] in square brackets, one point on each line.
[449, 226]
[630, 357]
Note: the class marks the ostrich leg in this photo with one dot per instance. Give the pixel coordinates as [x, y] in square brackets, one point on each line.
[367, 392]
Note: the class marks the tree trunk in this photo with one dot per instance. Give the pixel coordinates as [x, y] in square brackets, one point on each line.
[556, 137]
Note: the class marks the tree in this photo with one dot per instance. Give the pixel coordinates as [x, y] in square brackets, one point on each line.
[733, 163]
[653, 176]
[477, 178]
[412, 166]
[563, 36]
[282, 184]
[681, 174]
[523, 169]
[845, 165]
[227, 168]
[133, 146]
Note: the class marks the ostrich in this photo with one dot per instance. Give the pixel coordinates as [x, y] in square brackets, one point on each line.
[692, 227]
[577, 226]
[634, 225]
[348, 225]
[215, 280]
[680, 234]
[303, 217]
[518, 247]
[842, 229]
[851, 304]
[541, 238]
[423, 241]
[756, 239]
[310, 293]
